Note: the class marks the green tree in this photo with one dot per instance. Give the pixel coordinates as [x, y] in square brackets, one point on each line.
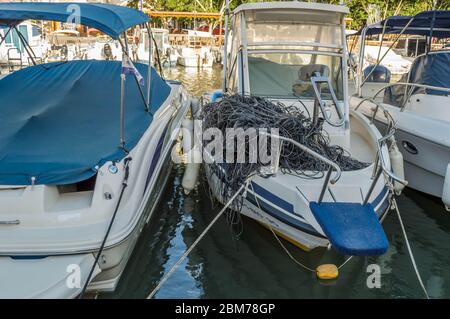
[359, 9]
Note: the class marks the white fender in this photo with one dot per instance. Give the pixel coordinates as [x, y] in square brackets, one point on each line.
[195, 106]
[396, 158]
[190, 176]
[188, 135]
[446, 190]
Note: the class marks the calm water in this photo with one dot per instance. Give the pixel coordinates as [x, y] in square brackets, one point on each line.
[255, 266]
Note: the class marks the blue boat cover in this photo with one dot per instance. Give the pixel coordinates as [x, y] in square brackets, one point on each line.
[437, 21]
[352, 228]
[429, 69]
[60, 120]
[110, 19]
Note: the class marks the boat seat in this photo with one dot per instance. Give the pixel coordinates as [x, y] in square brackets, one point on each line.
[352, 228]
[429, 69]
[302, 86]
[380, 74]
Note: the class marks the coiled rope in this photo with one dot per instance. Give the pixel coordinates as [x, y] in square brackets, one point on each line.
[252, 112]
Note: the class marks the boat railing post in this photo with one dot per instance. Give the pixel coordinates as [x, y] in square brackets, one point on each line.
[26, 45]
[122, 111]
[387, 51]
[149, 75]
[325, 184]
[372, 186]
[225, 44]
[122, 95]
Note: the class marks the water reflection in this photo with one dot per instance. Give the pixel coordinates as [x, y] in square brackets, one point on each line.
[255, 266]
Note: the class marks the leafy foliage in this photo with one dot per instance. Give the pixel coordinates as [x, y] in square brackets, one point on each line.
[359, 9]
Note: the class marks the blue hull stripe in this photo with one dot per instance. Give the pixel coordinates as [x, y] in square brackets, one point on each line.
[273, 198]
[155, 158]
[288, 220]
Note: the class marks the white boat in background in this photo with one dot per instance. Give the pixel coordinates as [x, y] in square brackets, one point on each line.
[166, 53]
[64, 45]
[13, 53]
[419, 102]
[283, 51]
[197, 51]
[104, 48]
[196, 57]
[84, 158]
[395, 63]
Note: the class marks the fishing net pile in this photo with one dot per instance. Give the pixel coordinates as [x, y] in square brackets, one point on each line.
[237, 111]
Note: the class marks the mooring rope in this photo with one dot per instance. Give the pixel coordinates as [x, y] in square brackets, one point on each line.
[284, 247]
[183, 257]
[113, 218]
[413, 261]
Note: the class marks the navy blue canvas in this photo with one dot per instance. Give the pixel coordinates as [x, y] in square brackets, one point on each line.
[110, 19]
[420, 25]
[60, 120]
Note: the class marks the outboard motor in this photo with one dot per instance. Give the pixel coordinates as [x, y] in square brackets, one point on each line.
[380, 74]
[107, 52]
[64, 52]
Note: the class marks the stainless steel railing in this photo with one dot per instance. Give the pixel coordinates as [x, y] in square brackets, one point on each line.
[407, 96]
[380, 164]
[306, 149]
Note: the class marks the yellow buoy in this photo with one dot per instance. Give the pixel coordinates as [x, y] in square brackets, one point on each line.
[327, 271]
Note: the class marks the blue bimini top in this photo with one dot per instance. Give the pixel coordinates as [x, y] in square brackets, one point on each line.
[60, 120]
[427, 23]
[110, 19]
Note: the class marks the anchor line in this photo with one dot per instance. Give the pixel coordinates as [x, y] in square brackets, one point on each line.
[413, 261]
[394, 205]
[286, 249]
[189, 250]
[124, 186]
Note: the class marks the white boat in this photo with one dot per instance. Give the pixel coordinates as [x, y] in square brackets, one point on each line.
[104, 48]
[197, 54]
[396, 64]
[13, 53]
[167, 54]
[64, 45]
[196, 58]
[419, 103]
[83, 165]
[274, 47]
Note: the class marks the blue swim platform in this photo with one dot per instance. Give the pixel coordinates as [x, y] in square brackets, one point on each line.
[352, 228]
[60, 120]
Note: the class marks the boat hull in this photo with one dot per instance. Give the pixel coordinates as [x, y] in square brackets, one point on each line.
[268, 209]
[425, 170]
[195, 62]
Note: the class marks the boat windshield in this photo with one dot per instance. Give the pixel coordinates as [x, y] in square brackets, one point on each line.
[286, 48]
[288, 74]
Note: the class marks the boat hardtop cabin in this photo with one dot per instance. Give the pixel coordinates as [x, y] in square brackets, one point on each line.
[84, 158]
[288, 40]
[277, 47]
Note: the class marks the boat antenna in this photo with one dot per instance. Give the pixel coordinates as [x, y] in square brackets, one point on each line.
[225, 43]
